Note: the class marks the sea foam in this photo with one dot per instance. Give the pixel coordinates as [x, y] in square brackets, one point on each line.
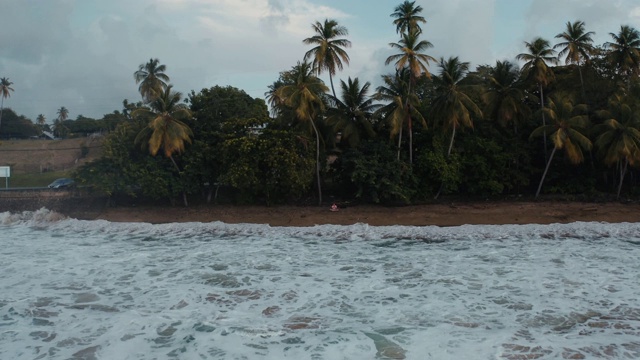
[74, 289]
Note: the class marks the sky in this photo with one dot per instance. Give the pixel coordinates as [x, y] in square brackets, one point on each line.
[81, 54]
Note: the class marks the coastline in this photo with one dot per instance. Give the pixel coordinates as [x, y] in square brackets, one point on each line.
[451, 214]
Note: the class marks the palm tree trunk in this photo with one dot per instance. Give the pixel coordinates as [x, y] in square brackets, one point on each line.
[408, 107]
[315, 130]
[184, 193]
[584, 94]
[545, 171]
[453, 135]
[623, 172]
[410, 139]
[1, 109]
[331, 81]
[544, 121]
[399, 142]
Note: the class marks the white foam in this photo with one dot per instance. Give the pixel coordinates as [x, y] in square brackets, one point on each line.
[222, 291]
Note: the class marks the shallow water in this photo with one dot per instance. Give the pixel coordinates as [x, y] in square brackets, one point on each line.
[75, 289]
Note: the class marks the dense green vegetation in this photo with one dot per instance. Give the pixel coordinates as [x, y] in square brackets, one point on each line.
[565, 122]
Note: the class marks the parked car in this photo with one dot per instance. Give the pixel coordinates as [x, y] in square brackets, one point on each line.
[61, 183]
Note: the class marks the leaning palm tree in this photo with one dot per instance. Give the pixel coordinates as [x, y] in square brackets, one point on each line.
[398, 103]
[412, 57]
[566, 132]
[407, 18]
[351, 115]
[166, 129]
[618, 141]
[576, 46]
[624, 52]
[453, 107]
[152, 79]
[504, 99]
[328, 53]
[5, 92]
[304, 96]
[536, 69]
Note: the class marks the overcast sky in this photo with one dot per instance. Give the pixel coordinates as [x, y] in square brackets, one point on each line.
[81, 54]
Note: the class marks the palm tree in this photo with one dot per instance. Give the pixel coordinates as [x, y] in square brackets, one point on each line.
[576, 46]
[452, 105]
[536, 69]
[329, 53]
[166, 129]
[59, 129]
[352, 114]
[503, 97]
[619, 139]
[624, 52]
[5, 92]
[407, 18]
[400, 104]
[41, 120]
[152, 79]
[412, 57]
[304, 96]
[63, 113]
[566, 132]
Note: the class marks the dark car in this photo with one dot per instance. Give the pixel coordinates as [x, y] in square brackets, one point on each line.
[61, 183]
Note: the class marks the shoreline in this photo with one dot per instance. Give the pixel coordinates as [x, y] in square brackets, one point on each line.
[451, 214]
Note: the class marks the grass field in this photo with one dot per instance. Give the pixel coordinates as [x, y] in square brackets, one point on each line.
[36, 163]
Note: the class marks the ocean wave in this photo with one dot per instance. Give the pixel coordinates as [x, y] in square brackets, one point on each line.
[52, 220]
[33, 218]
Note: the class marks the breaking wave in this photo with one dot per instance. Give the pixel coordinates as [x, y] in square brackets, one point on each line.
[75, 289]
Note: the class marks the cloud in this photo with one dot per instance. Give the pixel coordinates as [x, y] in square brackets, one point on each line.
[82, 54]
[462, 28]
[602, 17]
[25, 37]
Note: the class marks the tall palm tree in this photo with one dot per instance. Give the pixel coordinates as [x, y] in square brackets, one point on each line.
[304, 96]
[566, 132]
[618, 141]
[63, 113]
[412, 57]
[406, 17]
[504, 97]
[351, 115]
[536, 69]
[152, 79]
[59, 129]
[452, 106]
[576, 46]
[396, 99]
[5, 92]
[166, 129]
[41, 120]
[328, 53]
[624, 52]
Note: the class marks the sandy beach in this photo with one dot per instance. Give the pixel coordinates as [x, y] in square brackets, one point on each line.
[451, 214]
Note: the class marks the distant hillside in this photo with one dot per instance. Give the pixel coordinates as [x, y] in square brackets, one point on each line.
[35, 156]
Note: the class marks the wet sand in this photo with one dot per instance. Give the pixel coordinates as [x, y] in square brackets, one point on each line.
[451, 214]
